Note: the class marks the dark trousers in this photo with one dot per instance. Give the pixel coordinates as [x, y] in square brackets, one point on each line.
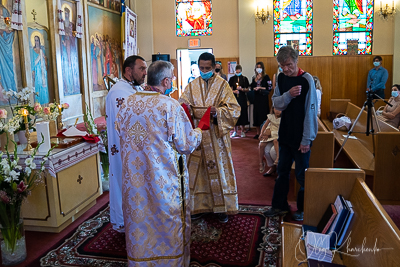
[287, 155]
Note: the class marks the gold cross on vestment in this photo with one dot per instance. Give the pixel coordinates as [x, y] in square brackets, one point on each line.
[34, 14]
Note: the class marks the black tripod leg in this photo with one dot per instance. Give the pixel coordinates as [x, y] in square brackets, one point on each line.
[350, 131]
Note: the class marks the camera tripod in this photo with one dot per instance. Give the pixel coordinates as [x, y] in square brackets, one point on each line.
[369, 105]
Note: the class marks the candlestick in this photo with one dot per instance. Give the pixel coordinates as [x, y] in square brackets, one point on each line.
[25, 114]
[27, 134]
[60, 124]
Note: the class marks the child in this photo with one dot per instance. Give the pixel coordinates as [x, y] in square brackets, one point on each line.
[269, 137]
[319, 93]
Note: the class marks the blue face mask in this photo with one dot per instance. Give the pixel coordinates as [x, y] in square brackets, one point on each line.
[206, 75]
[238, 74]
[168, 91]
[376, 63]
[395, 93]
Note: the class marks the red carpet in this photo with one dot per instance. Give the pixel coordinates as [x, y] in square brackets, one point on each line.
[247, 239]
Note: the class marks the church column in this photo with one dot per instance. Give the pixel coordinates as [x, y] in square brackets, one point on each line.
[247, 37]
[396, 48]
[144, 12]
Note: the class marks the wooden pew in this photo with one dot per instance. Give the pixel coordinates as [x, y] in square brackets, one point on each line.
[371, 226]
[384, 166]
[322, 151]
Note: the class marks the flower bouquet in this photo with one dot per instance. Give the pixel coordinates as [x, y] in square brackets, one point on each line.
[91, 128]
[16, 183]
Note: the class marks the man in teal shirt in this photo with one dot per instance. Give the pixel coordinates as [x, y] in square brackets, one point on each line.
[377, 78]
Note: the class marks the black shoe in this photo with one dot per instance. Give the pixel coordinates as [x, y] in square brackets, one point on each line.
[196, 216]
[222, 217]
[256, 136]
[272, 212]
[298, 216]
[271, 171]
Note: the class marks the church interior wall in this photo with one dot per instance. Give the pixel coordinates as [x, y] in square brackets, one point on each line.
[156, 33]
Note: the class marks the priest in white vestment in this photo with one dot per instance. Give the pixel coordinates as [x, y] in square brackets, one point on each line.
[156, 135]
[212, 177]
[134, 73]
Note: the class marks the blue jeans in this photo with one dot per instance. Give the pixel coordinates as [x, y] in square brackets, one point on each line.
[287, 155]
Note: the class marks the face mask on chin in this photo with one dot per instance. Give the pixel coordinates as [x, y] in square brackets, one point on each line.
[206, 75]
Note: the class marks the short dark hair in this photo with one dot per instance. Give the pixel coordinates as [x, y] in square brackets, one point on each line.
[238, 67]
[378, 58]
[207, 56]
[130, 62]
[158, 71]
[397, 86]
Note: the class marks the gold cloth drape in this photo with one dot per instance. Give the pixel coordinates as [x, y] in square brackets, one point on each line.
[212, 178]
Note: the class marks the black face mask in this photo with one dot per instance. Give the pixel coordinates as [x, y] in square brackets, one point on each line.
[217, 70]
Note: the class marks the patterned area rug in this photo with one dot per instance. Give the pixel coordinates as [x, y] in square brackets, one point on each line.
[247, 239]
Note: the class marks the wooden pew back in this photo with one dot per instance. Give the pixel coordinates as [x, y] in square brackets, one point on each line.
[322, 148]
[387, 165]
[371, 224]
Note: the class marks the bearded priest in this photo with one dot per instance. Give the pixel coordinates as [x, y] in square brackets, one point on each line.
[134, 72]
[156, 135]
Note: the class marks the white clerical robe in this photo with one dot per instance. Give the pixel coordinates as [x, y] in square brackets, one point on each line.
[211, 174]
[155, 133]
[114, 100]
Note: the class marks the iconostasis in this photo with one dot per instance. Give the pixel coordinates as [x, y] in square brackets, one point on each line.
[62, 50]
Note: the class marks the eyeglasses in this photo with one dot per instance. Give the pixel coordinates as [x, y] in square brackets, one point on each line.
[171, 78]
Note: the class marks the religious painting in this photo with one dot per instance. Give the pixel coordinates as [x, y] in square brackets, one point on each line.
[10, 70]
[293, 20]
[352, 20]
[130, 33]
[105, 46]
[352, 47]
[110, 4]
[39, 47]
[69, 51]
[193, 17]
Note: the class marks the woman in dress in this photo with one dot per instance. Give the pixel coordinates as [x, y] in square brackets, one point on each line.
[392, 113]
[261, 84]
[240, 85]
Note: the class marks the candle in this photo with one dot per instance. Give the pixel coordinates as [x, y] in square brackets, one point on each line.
[59, 109]
[381, 4]
[25, 114]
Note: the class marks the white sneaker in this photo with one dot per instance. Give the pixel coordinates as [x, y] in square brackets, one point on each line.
[243, 134]
[233, 134]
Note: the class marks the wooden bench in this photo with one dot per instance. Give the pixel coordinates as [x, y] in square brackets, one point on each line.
[322, 151]
[371, 226]
[384, 165]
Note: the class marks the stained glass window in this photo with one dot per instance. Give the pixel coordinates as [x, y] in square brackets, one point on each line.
[352, 27]
[293, 25]
[193, 18]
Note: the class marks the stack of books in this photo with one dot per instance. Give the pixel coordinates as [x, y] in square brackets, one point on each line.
[331, 231]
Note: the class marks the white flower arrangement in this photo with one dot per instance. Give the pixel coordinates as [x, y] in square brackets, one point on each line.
[21, 96]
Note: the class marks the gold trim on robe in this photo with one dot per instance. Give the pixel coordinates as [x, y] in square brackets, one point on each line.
[212, 178]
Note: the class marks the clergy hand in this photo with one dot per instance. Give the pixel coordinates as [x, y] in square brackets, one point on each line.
[236, 92]
[213, 111]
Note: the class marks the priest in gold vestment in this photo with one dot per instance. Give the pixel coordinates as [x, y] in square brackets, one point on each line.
[212, 178]
[156, 135]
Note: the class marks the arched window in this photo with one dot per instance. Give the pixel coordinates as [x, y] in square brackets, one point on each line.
[352, 27]
[293, 25]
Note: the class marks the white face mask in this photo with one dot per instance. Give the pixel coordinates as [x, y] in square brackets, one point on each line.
[259, 70]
